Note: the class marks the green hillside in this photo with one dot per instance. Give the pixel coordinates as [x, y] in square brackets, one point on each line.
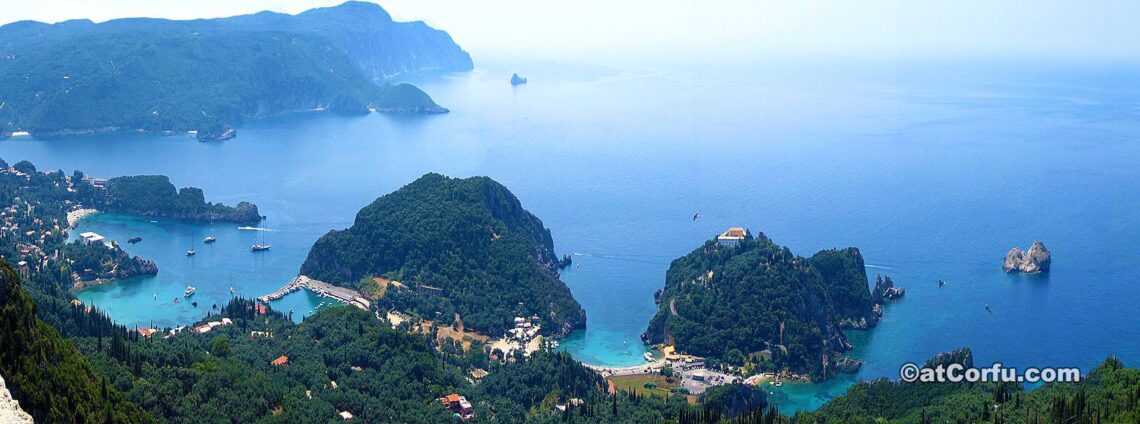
[462, 246]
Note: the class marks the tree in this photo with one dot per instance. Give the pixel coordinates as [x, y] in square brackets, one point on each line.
[220, 347]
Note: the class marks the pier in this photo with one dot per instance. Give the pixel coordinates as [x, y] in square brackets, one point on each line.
[321, 288]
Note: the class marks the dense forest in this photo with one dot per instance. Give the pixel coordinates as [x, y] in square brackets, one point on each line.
[758, 306]
[156, 196]
[156, 75]
[45, 372]
[459, 246]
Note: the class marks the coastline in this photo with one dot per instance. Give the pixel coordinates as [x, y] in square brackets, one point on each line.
[75, 216]
[647, 368]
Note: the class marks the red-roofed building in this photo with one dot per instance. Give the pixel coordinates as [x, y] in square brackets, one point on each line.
[281, 360]
[459, 405]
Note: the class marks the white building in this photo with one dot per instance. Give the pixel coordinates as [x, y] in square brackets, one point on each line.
[92, 238]
[732, 237]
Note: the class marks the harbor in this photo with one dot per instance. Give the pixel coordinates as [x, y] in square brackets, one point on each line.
[321, 288]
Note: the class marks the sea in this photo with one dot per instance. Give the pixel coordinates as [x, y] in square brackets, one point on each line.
[934, 170]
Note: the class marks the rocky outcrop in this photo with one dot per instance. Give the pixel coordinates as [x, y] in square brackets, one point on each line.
[847, 365]
[133, 267]
[216, 134]
[1037, 259]
[963, 356]
[516, 79]
[10, 411]
[885, 290]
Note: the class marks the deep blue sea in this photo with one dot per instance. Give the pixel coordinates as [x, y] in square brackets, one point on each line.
[933, 170]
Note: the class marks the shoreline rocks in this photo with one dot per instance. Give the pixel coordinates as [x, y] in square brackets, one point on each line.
[1036, 259]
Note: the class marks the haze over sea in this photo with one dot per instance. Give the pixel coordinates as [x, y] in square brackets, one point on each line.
[933, 170]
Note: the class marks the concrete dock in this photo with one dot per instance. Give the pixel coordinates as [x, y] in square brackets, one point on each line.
[321, 288]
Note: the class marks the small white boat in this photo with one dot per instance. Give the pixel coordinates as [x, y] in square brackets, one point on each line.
[648, 357]
[779, 384]
[259, 247]
[209, 239]
[189, 291]
[191, 252]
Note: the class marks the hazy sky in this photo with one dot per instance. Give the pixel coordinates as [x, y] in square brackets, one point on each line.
[1073, 30]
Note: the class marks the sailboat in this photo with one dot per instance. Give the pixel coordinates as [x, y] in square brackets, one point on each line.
[191, 252]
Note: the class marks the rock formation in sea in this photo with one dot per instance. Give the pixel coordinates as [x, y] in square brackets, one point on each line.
[516, 79]
[1036, 259]
[885, 290]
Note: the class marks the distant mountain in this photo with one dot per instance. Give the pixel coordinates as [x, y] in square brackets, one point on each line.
[462, 246]
[380, 47]
[79, 77]
[756, 304]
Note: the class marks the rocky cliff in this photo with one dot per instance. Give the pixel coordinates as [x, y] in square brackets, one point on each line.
[1036, 260]
[10, 411]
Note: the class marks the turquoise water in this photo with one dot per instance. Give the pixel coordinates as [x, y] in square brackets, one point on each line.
[933, 171]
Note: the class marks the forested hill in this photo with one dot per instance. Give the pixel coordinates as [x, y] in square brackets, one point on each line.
[159, 75]
[462, 246]
[1109, 393]
[758, 305]
[52, 380]
[155, 196]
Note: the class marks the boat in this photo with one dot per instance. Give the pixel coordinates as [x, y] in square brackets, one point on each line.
[209, 239]
[134, 240]
[259, 247]
[648, 356]
[191, 252]
[189, 291]
[177, 299]
[779, 384]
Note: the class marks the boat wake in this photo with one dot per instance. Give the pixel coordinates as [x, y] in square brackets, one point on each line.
[879, 266]
[255, 228]
[649, 259]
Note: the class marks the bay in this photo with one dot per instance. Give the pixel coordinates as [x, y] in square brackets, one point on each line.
[933, 170]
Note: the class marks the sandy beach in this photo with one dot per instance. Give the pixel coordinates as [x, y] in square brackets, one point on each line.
[647, 368]
[74, 216]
